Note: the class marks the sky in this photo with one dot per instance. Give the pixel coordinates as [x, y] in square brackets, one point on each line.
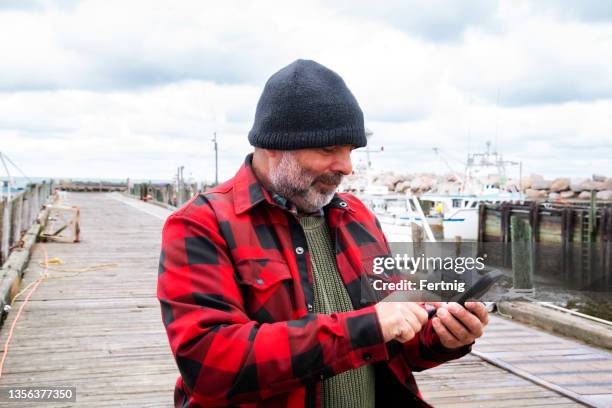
[117, 89]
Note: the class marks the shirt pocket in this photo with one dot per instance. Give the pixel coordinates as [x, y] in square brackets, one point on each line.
[373, 270]
[267, 287]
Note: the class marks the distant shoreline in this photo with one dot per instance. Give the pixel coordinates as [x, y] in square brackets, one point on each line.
[22, 182]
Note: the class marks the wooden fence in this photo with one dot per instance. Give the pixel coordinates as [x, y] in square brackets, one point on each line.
[569, 241]
[167, 194]
[19, 213]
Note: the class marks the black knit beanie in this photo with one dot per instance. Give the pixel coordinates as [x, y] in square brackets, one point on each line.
[306, 105]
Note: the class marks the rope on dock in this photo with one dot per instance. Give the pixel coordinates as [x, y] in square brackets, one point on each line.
[25, 301]
[45, 275]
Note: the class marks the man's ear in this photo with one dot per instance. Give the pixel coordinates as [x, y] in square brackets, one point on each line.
[272, 153]
[260, 151]
[264, 158]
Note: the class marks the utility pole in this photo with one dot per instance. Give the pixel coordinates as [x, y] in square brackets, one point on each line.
[179, 186]
[214, 139]
[368, 133]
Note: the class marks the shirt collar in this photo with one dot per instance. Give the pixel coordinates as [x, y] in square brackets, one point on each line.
[249, 192]
[288, 205]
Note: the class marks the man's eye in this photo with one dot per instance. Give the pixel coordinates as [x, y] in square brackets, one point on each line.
[328, 149]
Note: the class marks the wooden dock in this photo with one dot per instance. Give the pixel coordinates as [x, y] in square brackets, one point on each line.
[96, 324]
[535, 363]
[99, 330]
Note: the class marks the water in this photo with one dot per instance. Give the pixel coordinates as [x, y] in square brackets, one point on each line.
[22, 182]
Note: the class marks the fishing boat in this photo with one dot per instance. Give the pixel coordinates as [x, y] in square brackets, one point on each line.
[446, 216]
[397, 213]
[484, 182]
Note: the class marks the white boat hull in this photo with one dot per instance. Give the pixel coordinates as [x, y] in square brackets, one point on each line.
[461, 223]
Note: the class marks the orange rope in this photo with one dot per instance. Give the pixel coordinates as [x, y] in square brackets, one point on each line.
[25, 301]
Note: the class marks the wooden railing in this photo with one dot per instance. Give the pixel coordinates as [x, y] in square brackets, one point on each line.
[166, 194]
[19, 213]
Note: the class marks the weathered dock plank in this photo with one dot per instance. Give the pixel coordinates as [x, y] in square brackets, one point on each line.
[576, 367]
[98, 329]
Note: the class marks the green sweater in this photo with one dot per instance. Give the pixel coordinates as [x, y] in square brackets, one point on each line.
[353, 388]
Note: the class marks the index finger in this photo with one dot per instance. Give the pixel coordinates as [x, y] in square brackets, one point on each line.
[437, 304]
[479, 310]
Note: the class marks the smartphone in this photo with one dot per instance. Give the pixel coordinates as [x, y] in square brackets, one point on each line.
[477, 290]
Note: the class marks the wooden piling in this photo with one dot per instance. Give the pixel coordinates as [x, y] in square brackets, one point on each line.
[482, 225]
[505, 231]
[18, 219]
[3, 227]
[522, 259]
[605, 237]
[592, 215]
[567, 218]
[534, 220]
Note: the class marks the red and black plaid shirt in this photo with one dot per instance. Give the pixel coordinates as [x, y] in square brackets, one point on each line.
[235, 288]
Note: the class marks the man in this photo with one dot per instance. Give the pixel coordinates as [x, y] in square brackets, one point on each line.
[261, 277]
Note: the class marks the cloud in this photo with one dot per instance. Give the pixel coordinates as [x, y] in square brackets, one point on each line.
[536, 62]
[103, 134]
[93, 46]
[431, 20]
[20, 5]
[597, 11]
[110, 88]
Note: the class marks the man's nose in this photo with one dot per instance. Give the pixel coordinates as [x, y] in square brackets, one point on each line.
[342, 163]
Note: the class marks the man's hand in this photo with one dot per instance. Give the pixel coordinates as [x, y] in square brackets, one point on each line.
[400, 320]
[457, 325]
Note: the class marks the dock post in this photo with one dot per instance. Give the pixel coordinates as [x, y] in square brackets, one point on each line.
[482, 225]
[587, 242]
[505, 231]
[418, 247]
[592, 215]
[608, 249]
[3, 227]
[17, 220]
[522, 253]
[567, 226]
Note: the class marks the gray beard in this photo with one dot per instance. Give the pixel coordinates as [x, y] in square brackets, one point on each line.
[295, 184]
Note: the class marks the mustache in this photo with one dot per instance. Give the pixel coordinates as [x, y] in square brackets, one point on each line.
[329, 178]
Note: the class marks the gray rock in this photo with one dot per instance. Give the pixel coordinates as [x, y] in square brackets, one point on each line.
[560, 184]
[536, 194]
[452, 178]
[402, 187]
[608, 183]
[541, 184]
[567, 194]
[577, 184]
[416, 184]
[587, 185]
[604, 195]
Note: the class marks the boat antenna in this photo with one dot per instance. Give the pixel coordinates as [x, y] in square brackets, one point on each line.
[437, 152]
[497, 120]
